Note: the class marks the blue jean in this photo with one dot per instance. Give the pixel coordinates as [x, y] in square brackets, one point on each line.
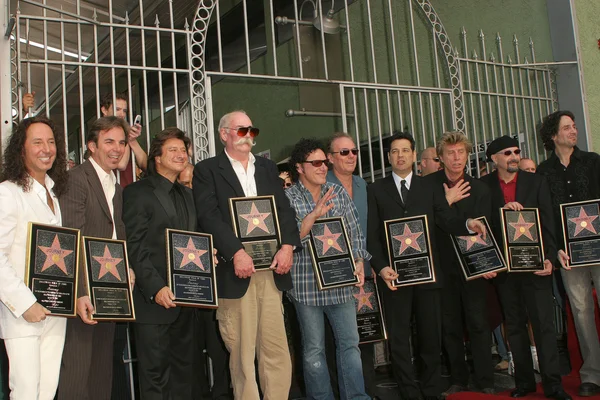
[342, 318]
[502, 350]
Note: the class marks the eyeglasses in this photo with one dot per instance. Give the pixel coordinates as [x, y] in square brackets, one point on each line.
[435, 159]
[287, 184]
[317, 163]
[243, 131]
[345, 152]
[509, 152]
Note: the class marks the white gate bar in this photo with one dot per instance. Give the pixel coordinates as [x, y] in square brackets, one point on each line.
[512, 83]
[173, 53]
[95, 27]
[371, 42]
[271, 20]
[393, 37]
[348, 36]
[144, 74]
[322, 32]
[219, 39]
[482, 119]
[46, 86]
[80, 78]
[486, 77]
[112, 69]
[356, 128]
[64, 88]
[368, 126]
[379, 125]
[160, 83]
[247, 40]
[504, 86]
[298, 47]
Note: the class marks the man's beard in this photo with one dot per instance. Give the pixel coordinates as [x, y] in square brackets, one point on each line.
[512, 167]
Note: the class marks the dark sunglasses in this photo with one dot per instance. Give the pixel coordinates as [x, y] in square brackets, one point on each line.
[243, 131]
[435, 159]
[317, 163]
[345, 152]
[287, 184]
[509, 152]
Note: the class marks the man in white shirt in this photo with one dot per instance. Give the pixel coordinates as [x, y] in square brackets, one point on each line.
[93, 203]
[33, 174]
[250, 311]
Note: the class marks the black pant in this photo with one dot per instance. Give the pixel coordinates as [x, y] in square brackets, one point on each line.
[165, 358]
[470, 297]
[398, 307]
[521, 298]
[208, 338]
[120, 386]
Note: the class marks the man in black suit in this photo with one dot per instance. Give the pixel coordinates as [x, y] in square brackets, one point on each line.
[250, 312]
[399, 195]
[526, 294]
[163, 331]
[470, 198]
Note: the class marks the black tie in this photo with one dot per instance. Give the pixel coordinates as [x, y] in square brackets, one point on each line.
[403, 191]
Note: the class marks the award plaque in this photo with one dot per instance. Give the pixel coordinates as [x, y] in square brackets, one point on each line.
[51, 267]
[331, 254]
[523, 245]
[369, 314]
[256, 224]
[581, 232]
[107, 279]
[190, 269]
[409, 249]
[478, 256]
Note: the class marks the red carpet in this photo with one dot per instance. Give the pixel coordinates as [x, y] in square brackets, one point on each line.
[570, 384]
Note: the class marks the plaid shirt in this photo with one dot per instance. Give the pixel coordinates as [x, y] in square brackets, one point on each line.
[306, 290]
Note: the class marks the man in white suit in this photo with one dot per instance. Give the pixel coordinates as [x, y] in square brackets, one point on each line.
[33, 174]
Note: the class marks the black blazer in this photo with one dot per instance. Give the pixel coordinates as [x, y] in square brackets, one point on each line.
[384, 204]
[215, 182]
[532, 191]
[478, 204]
[147, 213]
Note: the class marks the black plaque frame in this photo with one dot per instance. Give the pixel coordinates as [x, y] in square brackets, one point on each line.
[49, 289]
[589, 242]
[261, 247]
[112, 296]
[204, 281]
[371, 324]
[528, 249]
[414, 257]
[322, 262]
[489, 253]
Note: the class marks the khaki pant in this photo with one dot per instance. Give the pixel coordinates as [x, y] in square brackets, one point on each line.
[253, 325]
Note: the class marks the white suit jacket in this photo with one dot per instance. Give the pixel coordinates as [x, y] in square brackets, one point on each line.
[17, 208]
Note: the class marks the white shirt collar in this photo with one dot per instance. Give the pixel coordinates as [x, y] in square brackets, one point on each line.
[41, 190]
[102, 174]
[251, 158]
[408, 180]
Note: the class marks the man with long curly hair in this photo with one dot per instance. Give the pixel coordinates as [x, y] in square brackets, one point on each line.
[33, 175]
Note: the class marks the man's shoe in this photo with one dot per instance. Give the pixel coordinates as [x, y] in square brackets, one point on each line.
[587, 389]
[453, 389]
[488, 391]
[502, 365]
[521, 392]
[559, 395]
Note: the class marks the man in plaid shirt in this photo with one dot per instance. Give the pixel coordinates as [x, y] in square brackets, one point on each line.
[313, 198]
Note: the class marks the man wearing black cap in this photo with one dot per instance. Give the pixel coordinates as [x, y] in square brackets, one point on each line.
[515, 190]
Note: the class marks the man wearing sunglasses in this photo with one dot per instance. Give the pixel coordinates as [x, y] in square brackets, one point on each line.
[430, 162]
[313, 197]
[342, 154]
[250, 312]
[526, 294]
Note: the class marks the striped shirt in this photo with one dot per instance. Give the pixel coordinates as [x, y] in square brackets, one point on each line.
[306, 290]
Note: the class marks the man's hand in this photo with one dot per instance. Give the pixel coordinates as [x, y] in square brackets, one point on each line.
[165, 298]
[457, 192]
[131, 278]
[35, 313]
[242, 264]
[28, 101]
[134, 132]
[547, 269]
[489, 275]
[85, 310]
[388, 275]
[514, 205]
[360, 273]
[563, 258]
[477, 226]
[282, 262]
[215, 259]
[324, 204]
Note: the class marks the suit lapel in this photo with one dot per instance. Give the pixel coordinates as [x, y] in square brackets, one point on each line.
[260, 177]
[390, 187]
[165, 201]
[229, 175]
[96, 186]
[415, 186]
[36, 204]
